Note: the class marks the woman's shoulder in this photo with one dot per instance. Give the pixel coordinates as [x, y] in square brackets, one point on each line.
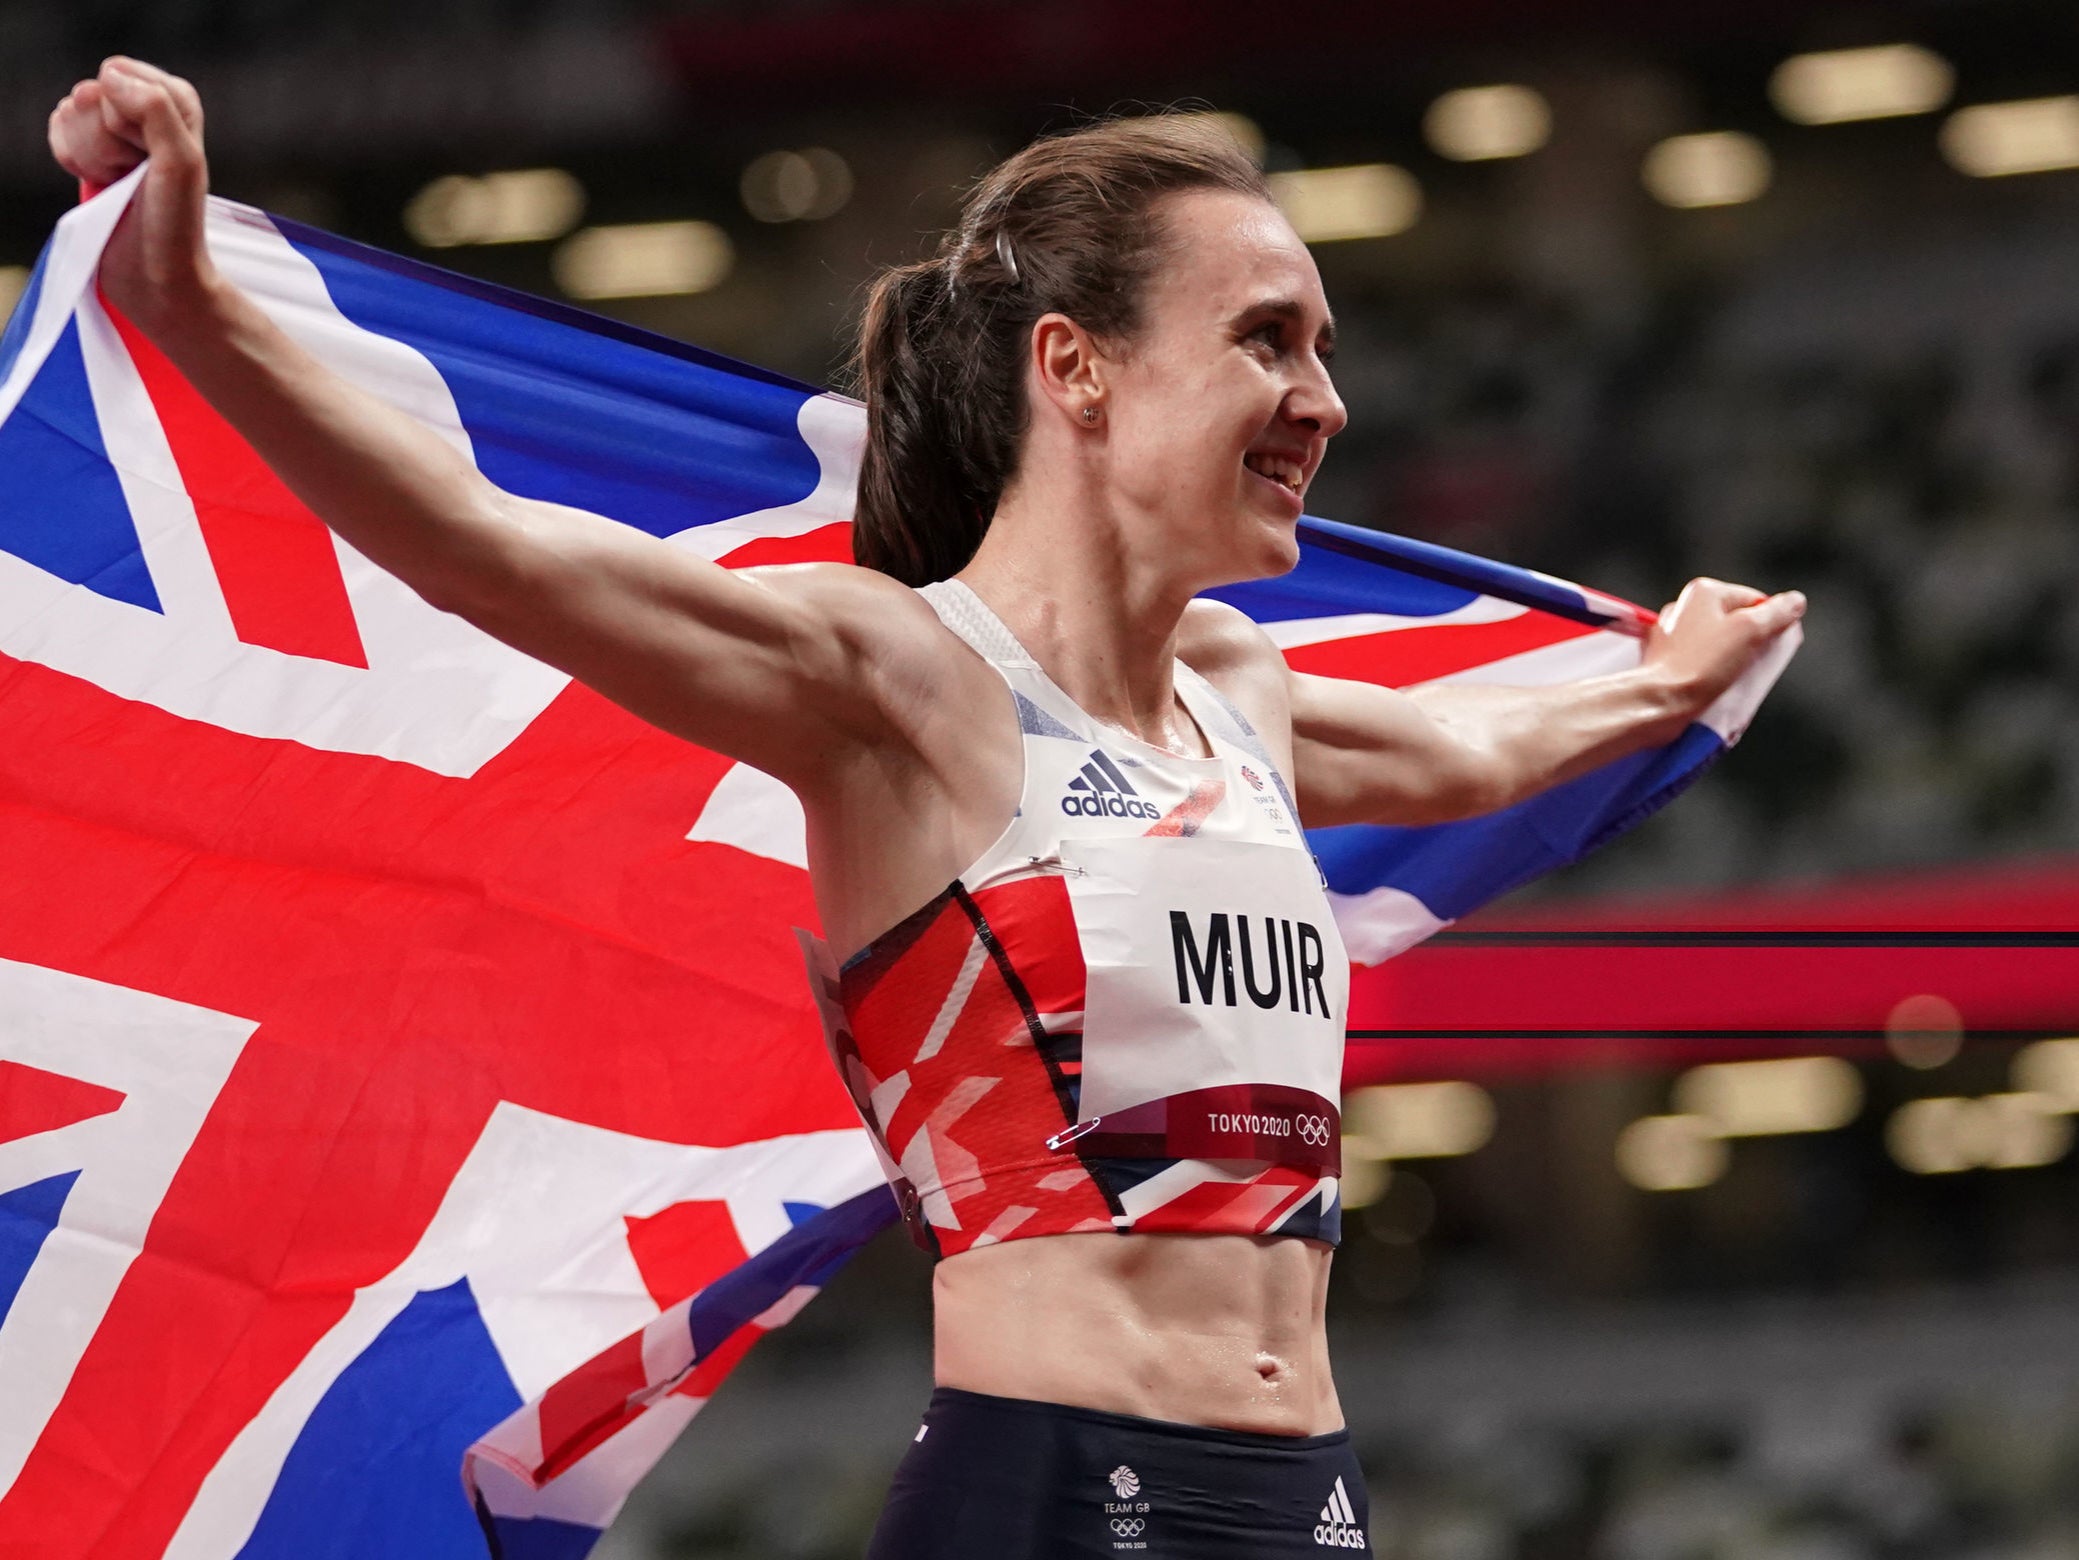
[847, 596]
[832, 581]
[1226, 647]
[879, 625]
[1216, 640]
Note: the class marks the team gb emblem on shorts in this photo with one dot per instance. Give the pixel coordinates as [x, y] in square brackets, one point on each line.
[1125, 1481]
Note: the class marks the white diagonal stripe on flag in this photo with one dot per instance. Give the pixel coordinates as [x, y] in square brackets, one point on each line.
[1292, 633]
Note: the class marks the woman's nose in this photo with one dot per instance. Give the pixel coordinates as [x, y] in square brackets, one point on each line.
[1314, 401]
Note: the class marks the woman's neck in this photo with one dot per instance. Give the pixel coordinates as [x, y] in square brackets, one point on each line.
[1099, 619]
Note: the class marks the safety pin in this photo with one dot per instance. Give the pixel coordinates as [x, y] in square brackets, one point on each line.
[1061, 1140]
[1056, 864]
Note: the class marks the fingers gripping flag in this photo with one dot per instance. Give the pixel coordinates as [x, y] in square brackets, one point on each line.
[406, 1061]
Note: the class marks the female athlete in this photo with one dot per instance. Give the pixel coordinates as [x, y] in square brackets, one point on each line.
[1086, 981]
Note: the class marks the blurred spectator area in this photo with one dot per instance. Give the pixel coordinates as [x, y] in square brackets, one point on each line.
[1884, 420]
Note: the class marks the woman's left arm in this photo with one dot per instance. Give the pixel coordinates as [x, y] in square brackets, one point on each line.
[1366, 754]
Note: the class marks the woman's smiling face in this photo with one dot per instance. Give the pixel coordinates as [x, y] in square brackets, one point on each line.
[1221, 407]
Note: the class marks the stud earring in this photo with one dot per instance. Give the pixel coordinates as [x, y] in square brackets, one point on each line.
[1090, 415]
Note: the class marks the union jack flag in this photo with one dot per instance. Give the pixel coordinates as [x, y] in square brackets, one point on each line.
[407, 1064]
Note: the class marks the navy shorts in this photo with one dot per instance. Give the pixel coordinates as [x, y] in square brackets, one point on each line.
[992, 1478]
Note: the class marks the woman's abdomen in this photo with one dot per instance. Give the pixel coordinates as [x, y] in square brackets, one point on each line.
[1221, 1330]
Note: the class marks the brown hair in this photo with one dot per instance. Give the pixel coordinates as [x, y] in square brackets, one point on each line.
[1067, 225]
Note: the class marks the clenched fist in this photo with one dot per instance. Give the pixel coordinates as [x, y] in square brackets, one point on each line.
[156, 268]
[1713, 632]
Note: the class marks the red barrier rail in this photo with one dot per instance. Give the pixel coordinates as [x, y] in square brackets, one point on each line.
[1650, 982]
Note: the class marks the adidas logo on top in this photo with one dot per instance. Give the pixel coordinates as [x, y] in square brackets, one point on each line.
[1103, 791]
[1338, 1527]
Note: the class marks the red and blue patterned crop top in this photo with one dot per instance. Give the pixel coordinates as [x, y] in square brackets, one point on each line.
[1128, 1014]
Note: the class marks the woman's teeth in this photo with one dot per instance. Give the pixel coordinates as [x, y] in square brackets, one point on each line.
[1286, 473]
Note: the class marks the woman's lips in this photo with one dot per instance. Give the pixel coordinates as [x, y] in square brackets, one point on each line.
[1289, 495]
[1287, 471]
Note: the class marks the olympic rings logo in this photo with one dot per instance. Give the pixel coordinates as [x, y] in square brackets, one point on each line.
[1313, 1130]
[1127, 1527]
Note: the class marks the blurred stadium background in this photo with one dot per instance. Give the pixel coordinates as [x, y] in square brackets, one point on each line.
[1786, 293]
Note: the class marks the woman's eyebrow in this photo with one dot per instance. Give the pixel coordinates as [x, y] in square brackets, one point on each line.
[1286, 309]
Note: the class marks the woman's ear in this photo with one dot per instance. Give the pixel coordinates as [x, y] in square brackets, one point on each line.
[1068, 366]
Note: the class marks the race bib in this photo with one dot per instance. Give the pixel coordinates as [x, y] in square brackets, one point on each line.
[1214, 1010]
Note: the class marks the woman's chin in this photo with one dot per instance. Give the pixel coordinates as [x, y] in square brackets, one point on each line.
[1281, 542]
[1282, 556]
[1275, 552]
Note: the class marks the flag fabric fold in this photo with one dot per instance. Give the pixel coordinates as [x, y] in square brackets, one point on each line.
[407, 1063]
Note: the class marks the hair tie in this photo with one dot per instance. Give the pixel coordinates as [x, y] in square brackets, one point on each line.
[1004, 256]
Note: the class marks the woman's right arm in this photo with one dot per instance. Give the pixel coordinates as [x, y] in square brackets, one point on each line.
[770, 666]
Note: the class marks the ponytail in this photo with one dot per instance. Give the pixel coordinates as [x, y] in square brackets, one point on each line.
[915, 467]
[1067, 226]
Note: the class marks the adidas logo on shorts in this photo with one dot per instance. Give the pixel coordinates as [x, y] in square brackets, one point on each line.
[1338, 1527]
[1103, 791]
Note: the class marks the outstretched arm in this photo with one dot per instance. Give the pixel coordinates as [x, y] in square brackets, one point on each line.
[762, 665]
[1365, 754]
